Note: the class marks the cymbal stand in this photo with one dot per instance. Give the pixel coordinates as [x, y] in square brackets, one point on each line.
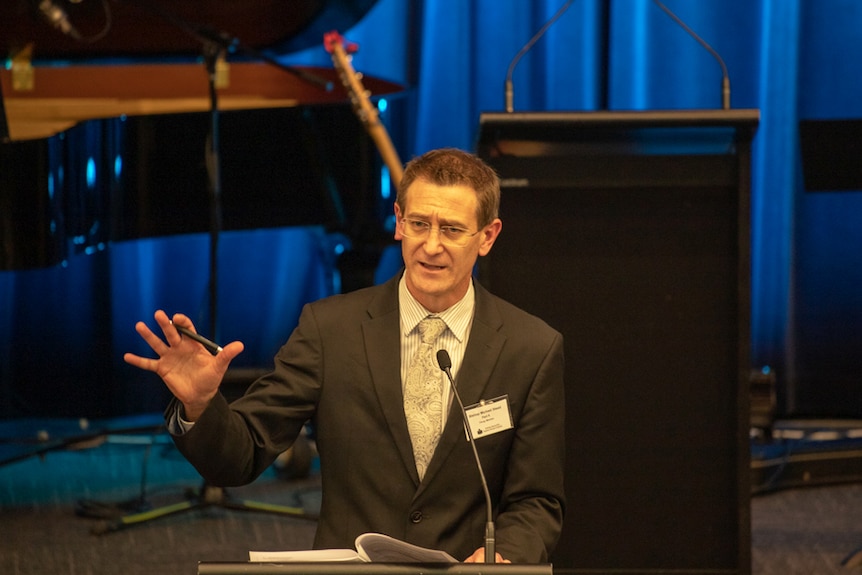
[215, 46]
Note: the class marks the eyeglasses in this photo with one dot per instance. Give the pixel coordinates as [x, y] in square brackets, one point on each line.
[448, 235]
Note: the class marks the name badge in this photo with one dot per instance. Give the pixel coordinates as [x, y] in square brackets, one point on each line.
[489, 416]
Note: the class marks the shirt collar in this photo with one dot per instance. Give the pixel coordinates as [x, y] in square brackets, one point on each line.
[457, 317]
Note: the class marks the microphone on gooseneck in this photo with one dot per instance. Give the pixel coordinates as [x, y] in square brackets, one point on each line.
[509, 89]
[725, 77]
[445, 363]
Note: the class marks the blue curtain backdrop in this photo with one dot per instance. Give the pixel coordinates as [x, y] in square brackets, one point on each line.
[792, 59]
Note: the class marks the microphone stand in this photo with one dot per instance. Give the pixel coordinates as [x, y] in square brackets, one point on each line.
[212, 52]
[725, 76]
[445, 364]
[509, 90]
[214, 46]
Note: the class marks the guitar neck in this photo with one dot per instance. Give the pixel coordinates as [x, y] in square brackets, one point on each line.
[381, 139]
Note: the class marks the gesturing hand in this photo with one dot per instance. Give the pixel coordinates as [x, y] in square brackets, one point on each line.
[191, 373]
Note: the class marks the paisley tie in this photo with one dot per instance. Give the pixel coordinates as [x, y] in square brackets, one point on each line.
[423, 395]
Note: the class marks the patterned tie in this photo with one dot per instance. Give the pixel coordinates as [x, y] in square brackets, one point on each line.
[423, 395]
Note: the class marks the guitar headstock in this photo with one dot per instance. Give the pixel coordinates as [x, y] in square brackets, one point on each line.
[332, 39]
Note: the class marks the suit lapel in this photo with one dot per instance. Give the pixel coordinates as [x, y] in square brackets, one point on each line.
[382, 335]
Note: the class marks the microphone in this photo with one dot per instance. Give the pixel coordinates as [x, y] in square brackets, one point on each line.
[445, 363]
[725, 77]
[509, 89]
[57, 17]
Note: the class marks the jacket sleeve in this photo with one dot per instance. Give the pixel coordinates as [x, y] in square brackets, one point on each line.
[532, 504]
[233, 444]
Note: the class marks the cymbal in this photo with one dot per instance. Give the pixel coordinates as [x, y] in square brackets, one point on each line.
[155, 29]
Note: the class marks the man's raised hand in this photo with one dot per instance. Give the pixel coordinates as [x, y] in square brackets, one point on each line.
[191, 372]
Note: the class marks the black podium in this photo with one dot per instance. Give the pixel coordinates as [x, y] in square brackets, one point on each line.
[629, 233]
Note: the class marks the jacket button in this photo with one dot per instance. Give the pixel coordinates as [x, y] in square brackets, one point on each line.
[416, 516]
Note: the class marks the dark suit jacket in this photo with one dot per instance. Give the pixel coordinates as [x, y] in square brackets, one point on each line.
[341, 366]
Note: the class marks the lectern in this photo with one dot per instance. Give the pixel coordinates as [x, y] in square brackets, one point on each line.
[349, 568]
[629, 233]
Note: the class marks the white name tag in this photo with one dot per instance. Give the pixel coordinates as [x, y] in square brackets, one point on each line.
[489, 416]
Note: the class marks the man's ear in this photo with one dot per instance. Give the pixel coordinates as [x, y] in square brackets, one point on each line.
[489, 236]
[398, 217]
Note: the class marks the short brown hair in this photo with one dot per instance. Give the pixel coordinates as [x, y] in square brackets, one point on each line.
[454, 167]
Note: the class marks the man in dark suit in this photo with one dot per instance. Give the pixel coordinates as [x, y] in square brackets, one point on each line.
[348, 367]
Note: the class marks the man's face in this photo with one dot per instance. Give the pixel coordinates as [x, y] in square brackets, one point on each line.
[437, 274]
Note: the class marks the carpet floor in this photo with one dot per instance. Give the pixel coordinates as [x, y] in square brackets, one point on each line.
[52, 506]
